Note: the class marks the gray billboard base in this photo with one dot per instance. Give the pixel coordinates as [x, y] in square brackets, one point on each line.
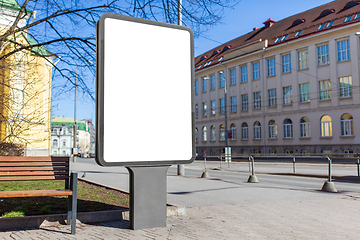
[147, 196]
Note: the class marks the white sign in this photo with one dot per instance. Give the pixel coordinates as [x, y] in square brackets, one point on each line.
[144, 105]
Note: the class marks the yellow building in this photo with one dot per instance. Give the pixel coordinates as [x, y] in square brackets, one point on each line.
[25, 89]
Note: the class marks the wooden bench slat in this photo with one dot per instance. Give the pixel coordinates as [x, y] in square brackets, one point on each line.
[14, 169]
[32, 159]
[34, 178]
[47, 173]
[35, 193]
[30, 164]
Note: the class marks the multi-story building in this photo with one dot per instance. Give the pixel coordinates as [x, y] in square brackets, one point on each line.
[25, 85]
[62, 137]
[291, 86]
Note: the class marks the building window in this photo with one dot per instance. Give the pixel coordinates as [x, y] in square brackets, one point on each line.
[244, 74]
[288, 128]
[212, 87]
[323, 55]
[244, 102]
[222, 105]
[196, 87]
[303, 59]
[213, 107]
[233, 131]
[347, 128]
[204, 84]
[343, 50]
[257, 130]
[222, 132]
[64, 143]
[196, 110]
[286, 63]
[232, 76]
[298, 33]
[244, 131]
[272, 129]
[348, 153]
[256, 70]
[345, 87]
[287, 95]
[222, 80]
[304, 127]
[304, 92]
[204, 134]
[271, 67]
[55, 142]
[257, 100]
[325, 90]
[272, 97]
[212, 133]
[204, 109]
[326, 126]
[196, 135]
[233, 104]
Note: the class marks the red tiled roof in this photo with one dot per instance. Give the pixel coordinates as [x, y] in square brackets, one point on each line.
[310, 22]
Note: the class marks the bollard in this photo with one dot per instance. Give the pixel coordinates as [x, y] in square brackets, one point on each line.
[252, 178]
[293, 164]
[205, 174]
[358, 168]
[329, 186]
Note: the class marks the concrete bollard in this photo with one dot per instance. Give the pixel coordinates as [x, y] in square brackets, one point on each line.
[252, 178]
[329, 186]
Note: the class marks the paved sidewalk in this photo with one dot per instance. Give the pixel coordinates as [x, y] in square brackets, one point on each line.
[219, 208]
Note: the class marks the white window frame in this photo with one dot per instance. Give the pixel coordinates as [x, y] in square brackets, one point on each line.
[232, 76]
[326, 127]
[272, 129]
[213, 107]
[347, 126]
[286, 63]
[272, 97]
[287, 95]
[244, 73]
[221, 80]
[257, 130]
[288, 129]
[222, 133]
[345, 86]
[324, 90]
[271, 67]
[257, 100]
[304, 90]
[244, 131]
[204, 109]
[233, 131]
[244, 102]
[233, 107]
[305, 128]
[343, 50]
[213, 82]
[256, 70]
[323, 55]
[212, 133]
[222, 105]
[303, 59]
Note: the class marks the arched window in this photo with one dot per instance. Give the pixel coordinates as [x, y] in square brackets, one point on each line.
[244, 131]
[347, 128]
[326, 126]
[304, 127]
[212, 133]
[288, 128]
[196, 135]
[325, 13]
[204, 134]
[257, 130]
[350, 5]
[233, 131]
[55, 142]
[297, 22]
[222, 132]
[272, 129]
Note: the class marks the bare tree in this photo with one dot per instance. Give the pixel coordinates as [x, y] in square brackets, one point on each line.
[63, 33]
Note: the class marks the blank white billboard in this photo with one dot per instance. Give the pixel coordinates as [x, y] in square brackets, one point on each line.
[144, 105]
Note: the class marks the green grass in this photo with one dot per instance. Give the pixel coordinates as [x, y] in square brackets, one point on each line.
[90, 198]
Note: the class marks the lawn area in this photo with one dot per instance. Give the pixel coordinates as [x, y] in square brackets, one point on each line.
[90, 198]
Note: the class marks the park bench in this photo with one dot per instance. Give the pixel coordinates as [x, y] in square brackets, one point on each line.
[21, 168]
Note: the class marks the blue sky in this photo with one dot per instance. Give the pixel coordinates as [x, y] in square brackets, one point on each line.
[236, 22]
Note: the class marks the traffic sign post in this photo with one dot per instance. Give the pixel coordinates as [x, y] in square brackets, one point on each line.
[144, 107]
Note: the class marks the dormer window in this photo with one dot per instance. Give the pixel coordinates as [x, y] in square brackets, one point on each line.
[326, 25]
[297, 22]
[226, 48]
[350, 5]
[325, 13]
[203, 57]
[216, 52]
[284, 38]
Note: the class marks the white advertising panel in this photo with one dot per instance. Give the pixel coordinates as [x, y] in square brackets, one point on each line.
[144, 92]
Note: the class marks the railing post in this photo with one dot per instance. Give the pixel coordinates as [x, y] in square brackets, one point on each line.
[329, 186]
[220, 161]
[252, 178]
[294, 164]
[358, 168]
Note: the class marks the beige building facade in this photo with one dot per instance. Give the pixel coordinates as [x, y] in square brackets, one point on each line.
[291, 86]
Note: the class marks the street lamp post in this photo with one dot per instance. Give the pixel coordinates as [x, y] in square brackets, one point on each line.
[74, 141]
[227, 150]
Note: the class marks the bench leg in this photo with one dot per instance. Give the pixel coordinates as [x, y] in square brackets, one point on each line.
[72, 204]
